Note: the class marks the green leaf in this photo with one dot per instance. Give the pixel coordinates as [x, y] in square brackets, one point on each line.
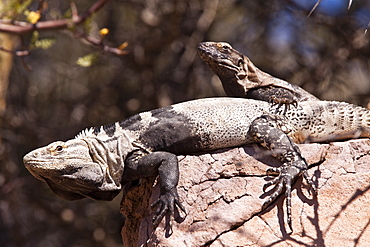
[88, 60]
[34, 38]
[44, 43]
[11, 8]
[21, 6]
[87, 24]
[37, 43]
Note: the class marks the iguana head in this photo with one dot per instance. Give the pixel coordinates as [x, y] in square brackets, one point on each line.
[239, 75]
[71, 171]
[228, 64]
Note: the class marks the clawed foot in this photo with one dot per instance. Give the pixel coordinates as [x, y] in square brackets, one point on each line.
[166, 205]
[286, 175]
[282, 101]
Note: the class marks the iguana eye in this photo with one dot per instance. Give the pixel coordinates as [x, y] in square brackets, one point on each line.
[240, 62]
[226, 47]
[59, 148]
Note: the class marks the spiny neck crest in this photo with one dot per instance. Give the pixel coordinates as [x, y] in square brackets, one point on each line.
[89, 132]
[108, 130]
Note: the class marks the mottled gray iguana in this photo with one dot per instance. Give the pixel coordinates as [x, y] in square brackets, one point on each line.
[241, 78]
[101, 160]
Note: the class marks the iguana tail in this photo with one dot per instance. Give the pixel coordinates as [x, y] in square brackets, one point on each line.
[345, 121]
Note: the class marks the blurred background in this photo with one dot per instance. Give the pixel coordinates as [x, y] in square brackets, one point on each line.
[73, 85]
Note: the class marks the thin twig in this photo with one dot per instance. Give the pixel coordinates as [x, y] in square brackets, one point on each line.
[20, 28]
[314, 7]
[17, 53]
[99, 43]
[349, 4]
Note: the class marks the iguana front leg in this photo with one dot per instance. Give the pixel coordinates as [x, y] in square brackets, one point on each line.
[164, 164]
[275, 95]
[266, 132]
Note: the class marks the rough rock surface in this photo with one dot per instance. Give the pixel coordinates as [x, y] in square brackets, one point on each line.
[222, 193]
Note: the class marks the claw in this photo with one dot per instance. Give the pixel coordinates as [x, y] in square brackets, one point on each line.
[277, 191]
[161, 210]
[165, 204]
[283, 102]
[310, 182]
[288, 195]
[283, 181]
[273, 171]
[270, 183]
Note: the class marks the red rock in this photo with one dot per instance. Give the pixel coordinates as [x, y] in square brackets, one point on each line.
[222, 193]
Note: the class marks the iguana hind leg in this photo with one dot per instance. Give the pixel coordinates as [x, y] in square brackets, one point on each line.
[266, 132]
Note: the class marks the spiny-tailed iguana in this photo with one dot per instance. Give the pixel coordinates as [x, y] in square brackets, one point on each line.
[241, 78]
[101, 160]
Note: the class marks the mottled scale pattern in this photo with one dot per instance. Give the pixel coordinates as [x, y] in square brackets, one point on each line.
[318, 121]
[100, 160]
[212, 123]
[204, 124]
[239, 75]
[219, 122]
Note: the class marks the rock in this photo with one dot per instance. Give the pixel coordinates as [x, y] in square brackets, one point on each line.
[222, 193]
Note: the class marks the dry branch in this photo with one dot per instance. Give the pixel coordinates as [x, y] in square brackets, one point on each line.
[19, 28]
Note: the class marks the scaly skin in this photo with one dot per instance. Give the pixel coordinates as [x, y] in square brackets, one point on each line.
[101, 160]
[241, 78]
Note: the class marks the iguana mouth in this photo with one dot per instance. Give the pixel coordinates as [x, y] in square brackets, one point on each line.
[34, 167]
[224, 62]
[227, 64]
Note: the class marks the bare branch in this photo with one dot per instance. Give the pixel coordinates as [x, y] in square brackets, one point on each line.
[314, 7]
[99, 43]
[17, 53]
[349, 4]
[20, 28]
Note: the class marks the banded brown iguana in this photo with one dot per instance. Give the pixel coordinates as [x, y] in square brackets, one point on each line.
[101, 160]
[241, 78]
